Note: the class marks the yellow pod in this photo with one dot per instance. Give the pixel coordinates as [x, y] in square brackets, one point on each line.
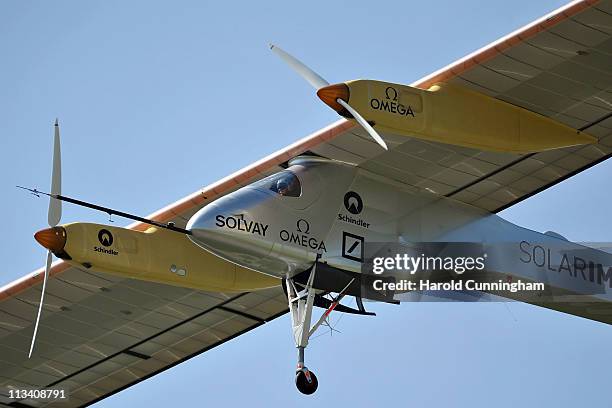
[156, 255]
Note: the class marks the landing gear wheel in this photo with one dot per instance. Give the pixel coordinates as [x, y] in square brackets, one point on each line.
[305, 386]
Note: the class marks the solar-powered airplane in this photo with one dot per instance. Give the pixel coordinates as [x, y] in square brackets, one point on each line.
[426, 162]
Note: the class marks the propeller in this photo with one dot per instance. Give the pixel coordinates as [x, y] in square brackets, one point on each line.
[54, 215]
[328, 93]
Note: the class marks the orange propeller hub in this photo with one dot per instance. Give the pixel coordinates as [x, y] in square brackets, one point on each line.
[329, 94]
[53, 239]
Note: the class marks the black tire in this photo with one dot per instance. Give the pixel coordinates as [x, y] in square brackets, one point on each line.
[303, 385]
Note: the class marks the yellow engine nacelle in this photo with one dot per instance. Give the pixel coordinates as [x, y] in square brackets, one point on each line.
[156, 255]
[452, 114]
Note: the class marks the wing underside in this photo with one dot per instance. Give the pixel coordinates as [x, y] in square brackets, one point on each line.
[100, 334]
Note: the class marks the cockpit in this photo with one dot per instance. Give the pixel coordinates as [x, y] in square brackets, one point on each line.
[285, 183]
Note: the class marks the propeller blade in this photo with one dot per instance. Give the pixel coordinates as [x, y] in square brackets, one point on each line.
[308, 74]
[364, 123]
[54, 216]
[318, 82]
[55, 205]
[42, 297]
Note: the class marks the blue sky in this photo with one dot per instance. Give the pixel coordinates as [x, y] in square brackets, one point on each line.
[157, 99]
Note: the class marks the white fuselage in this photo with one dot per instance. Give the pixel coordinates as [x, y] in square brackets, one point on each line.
[278, 225]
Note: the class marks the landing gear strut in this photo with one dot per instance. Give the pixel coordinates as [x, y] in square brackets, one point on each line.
[300, 306]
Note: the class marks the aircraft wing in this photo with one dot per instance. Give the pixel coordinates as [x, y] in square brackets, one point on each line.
[101, 334]
[558, 66]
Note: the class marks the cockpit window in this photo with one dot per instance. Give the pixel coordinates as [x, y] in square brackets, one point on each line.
[286, 184]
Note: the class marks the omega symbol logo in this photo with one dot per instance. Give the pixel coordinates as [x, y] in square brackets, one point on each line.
[391, 91]
[105, 237]
[303, 226]
[353, 202]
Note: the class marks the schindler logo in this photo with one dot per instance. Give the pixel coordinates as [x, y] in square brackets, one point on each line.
[353, 204]
[106, 239]
[390, 104]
